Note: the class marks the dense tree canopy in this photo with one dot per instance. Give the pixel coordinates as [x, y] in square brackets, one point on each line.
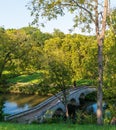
[22, 53]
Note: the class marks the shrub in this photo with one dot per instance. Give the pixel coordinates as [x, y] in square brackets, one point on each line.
[91, 96]
[85, 118]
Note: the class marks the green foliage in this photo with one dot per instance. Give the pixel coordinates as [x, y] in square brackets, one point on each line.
[109, 113]
[59, 126]
[111, 20]
[85, 118]
[85, 82]
[52, 9]
[32, 78]
[5, 52]
[85, 14]
[57, 64]
[58, 33]
[1, 109]
[28, 84]
[91, 96]
[36, 35]
[42, 62]
[110, 67]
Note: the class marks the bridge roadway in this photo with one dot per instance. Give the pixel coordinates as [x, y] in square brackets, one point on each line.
[52, 103]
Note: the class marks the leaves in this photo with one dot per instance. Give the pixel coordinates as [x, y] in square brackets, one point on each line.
[64, 57]
[48, 10]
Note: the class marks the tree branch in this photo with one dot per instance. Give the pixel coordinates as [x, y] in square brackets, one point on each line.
[90, 14]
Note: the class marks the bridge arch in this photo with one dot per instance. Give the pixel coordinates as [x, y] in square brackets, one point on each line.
[79, 96]
[72, 100]
[59, 112]
[82, 99]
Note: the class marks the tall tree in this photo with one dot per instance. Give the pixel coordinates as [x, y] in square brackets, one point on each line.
[56, 63]
[86, 13]
[5, 51]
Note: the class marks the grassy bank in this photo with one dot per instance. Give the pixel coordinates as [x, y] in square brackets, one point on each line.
[27, 84]
[8, 126]
[30, 83]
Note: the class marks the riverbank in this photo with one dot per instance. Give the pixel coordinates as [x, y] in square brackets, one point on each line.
[57, 126]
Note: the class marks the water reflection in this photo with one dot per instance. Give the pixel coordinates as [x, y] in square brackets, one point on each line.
[13, 108]
[15, 103]
[93, 107]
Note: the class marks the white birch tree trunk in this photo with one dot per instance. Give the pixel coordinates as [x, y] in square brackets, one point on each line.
[100, 40]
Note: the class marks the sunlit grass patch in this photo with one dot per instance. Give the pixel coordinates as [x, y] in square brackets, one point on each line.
[27, 84]
[59, 126]
[33, 78]
[87, 82]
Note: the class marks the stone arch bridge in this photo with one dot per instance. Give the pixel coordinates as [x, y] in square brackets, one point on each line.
[51, 104]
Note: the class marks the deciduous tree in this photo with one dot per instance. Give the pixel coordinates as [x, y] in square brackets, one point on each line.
[85, 12]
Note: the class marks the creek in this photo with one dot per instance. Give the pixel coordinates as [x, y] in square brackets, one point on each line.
[15, 103]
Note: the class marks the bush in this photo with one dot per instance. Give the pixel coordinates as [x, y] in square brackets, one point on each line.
[91, 96]
[85, 118]
[1, 110]
[86, 82]
[110, 112]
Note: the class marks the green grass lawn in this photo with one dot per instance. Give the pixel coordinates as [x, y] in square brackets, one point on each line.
[25, 83]
[33, 78]
[37, 77]
[60, 126]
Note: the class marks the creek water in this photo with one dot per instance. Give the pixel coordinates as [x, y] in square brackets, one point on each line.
[15, 103]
